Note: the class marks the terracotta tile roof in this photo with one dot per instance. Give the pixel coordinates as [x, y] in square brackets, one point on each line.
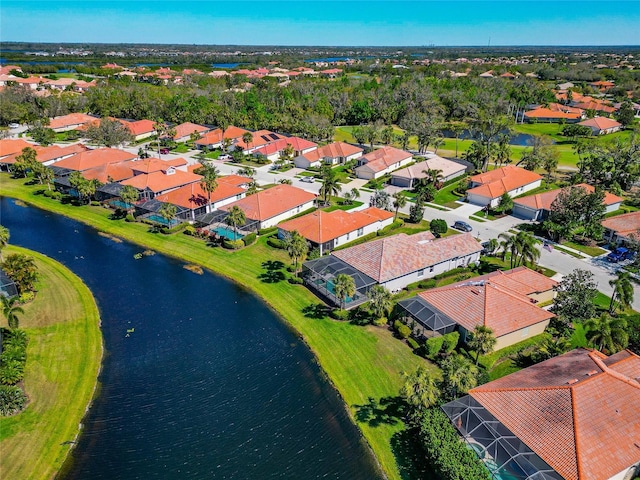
[114, 172]
[574, 411]
[140, 127]
[588, 103]
[297, 143]
[559, 107]
[186, 129]
[623, 225]
[496, 182]
[391, 257]
[521, 280]
[215, 136]
[193, 196]
[543, 112]
[601, 123]
[70, 120]
[543, 201]
[148, 165]
[383, 158]
[160, 181]
[94, 158]
[260, 138]
[274, 201]
[447, 167]
[237, 180]
[9, 146]
[478, 302]
[321, 227]
[332, 150]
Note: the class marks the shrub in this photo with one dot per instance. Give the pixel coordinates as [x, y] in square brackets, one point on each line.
[129, 218]
[313, 254]
[48, 193]
[290, 268]
[13, 353]
[433, 346]
[190, 230]
[431, 283]
[438, 226]
[11, 372]
[249, 239]
[232, 244]
[450, 273]
[178, 228]
[402, 330]
[389, 228]
[95, 203]
[339, 314]
[275, 243]
[56, 196]
[267, 231]
[450, 342]
[379, 322]
[26, 297]
[296, 281]
[412, 343]
[416, 212]
[12, 400]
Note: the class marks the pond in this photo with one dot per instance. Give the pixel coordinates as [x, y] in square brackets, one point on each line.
[521, 139]
[200, 379]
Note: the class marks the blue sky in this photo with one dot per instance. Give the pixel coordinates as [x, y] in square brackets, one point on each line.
[324, 22]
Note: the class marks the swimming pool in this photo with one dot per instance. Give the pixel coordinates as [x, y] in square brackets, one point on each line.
[161, 220]
[227, 233]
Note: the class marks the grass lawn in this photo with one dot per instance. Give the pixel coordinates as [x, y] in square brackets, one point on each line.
[483, 215]
[213, 155]
[592, 251]
[568, 252]
[180, 148]
[63, 360]
[361, 362]
[337, 203]
[445, 196]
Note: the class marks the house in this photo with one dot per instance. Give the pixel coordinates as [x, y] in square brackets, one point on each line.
[409, 176]
[537, 207]
[259, 139]
[93, 158]
[149, 165]
[72, 121]
[157, 182]
[185, 130]
[272, 206]
[620, 228]
[194, 200]
[326, 230]
[336, 153]
[572, 417]
[140, 129]
[382, 161]
[213, 139]
[602, 85]
[393, 262]
[487, 188]
[273, 150]
[502, 301]
[547, 115]
[11, 148]
[110, 172]
[47, 155]
[601, 125]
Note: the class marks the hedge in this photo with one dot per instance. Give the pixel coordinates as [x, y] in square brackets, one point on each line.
[232, 244]
[389, 228]
[296, 280]
[276, 243]
[402, 329]
[413, 344]
[267, 231]
[249, 239]
[445, 343]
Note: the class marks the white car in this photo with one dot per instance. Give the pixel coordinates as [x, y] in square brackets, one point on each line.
[307, 179]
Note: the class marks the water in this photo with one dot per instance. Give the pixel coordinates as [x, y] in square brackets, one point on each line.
[224, 65]
[228, 233]
[521, 139]
[210, 385]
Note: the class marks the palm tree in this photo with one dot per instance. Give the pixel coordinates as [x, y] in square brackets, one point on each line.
[380, 301]
[459, 375]
[129, 195]
[437, 143]
[247, 138]
[433, 176]
[457, 128]
[552, 347]
[168, 211]
[607, 333]
[482, 341]
[209, 181]
[343, 287]
[235, 217]
[247, 171]
[22, 270]
[10, 311]
[508, 245]
[420, 389]
[399, 201]
[528, 251]
[297, 248]
[622, 292]
[4, 239]
[330, 185]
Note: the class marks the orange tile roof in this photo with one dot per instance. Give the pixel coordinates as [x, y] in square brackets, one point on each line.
[186, 129]
[274, 201]
[193, 196]
[543, 201]
[543, 112]
[320, 227]
[140, 127]
[398, 255]
[260, 138]
[521, 280]
[601, 123]
[332, 150]
[384, 158]
[593, 104]
[9, 146]
[623, 225]
[215, 136]
[559, 107]
[237, 180]
[148, 165]
[578, 412]
[110, 172]
[94, 158]
[496, 182]
[160, 181]
[70, 120]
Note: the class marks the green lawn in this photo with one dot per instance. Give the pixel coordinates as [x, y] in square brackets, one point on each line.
[180, 148]
[362, 362]
[446, 197]
[592, 251]
[338, 203]
[63, 360]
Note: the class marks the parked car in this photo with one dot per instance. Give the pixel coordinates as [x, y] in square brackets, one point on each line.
[464, 226]
[224, 156]
[164, 151]
[307, 179]
[619, 254]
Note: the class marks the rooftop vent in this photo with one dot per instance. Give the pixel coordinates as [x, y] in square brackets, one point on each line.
[572, 381]
[591, 372]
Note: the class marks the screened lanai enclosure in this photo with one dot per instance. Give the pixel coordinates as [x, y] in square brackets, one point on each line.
[319, 275]
[424, 319]
[504, 454]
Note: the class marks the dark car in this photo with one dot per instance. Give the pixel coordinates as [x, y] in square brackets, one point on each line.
[164, 151]
[464, 226]
[619, 254]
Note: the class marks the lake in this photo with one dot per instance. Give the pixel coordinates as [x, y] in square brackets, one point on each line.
[200, 379]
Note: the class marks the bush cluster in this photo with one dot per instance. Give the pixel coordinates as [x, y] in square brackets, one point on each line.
[232, 244]
[14, 356]
[12, 400]
[276, 243]
[389, 228]
[267, 231]
[339, 314]
[446, 344]
[402, 330]
[296, 280]
[249, 239]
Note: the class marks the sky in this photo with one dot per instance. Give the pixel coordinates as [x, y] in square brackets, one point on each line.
[324, 22]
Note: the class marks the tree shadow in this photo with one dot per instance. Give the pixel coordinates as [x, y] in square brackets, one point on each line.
[410, 456]
[359, 316]
[315, 310]
[386, 411]
[273, 273]
[271, 265]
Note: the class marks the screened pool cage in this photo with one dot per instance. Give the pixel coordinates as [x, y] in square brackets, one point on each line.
[424, 319]
[504, 454]
[217, 217]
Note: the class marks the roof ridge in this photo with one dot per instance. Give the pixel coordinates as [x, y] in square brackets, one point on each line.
[615, 374]
[521, 389]
[575, 433]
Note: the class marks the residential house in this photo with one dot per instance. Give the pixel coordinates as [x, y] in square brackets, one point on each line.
[47, 155]
[502, 301]
[273, 150]
[326, 230]
[272, 206]
[185, 130]
[10, 148]
[537, 207]
[601, 125]
[409, 176]
[572, 417]
[259, 139]
[487, 188]
[382, 161]
[213, 139]
[150, 185]
[336, 153]
[93, 158]
[547, 115]
[620, 228]
[194, 200]
[71, 121]
[393, 262]
[140, 129]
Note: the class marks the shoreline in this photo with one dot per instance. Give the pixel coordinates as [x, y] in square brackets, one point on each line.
[378, 442]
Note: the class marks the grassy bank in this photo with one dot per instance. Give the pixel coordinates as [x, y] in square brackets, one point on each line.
[63, 360]
[363, 363]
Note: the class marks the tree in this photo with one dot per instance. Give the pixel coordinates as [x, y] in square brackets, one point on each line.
[351, 195]
[608, 334]
[482, 341]
[626, 113]
[380, 199]
[22, 270]
[344, 286]
[297, 247]
[575, 295]
[330, 184]
[541, 153]
[247, 171]
[459, 375]
[109, 133]
[433, 176]
[4, 239]
[235, 217]
[85, 188]
[551, 346]
[420, 390]
[399, 201]
[521, 246]
[25, 162]
[43, 174]
[247, 138]
[456, 128]
[168, 212]
[487, 127]
[438, 226]
[386, 135]
[505, 204]
[42, 134]
[380, 301]
[129, 195]
[10, 311]
[209, 180]
[416, 211]
[622, 296]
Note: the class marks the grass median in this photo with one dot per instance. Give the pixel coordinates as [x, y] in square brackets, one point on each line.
[63, 361]
[363, 363]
